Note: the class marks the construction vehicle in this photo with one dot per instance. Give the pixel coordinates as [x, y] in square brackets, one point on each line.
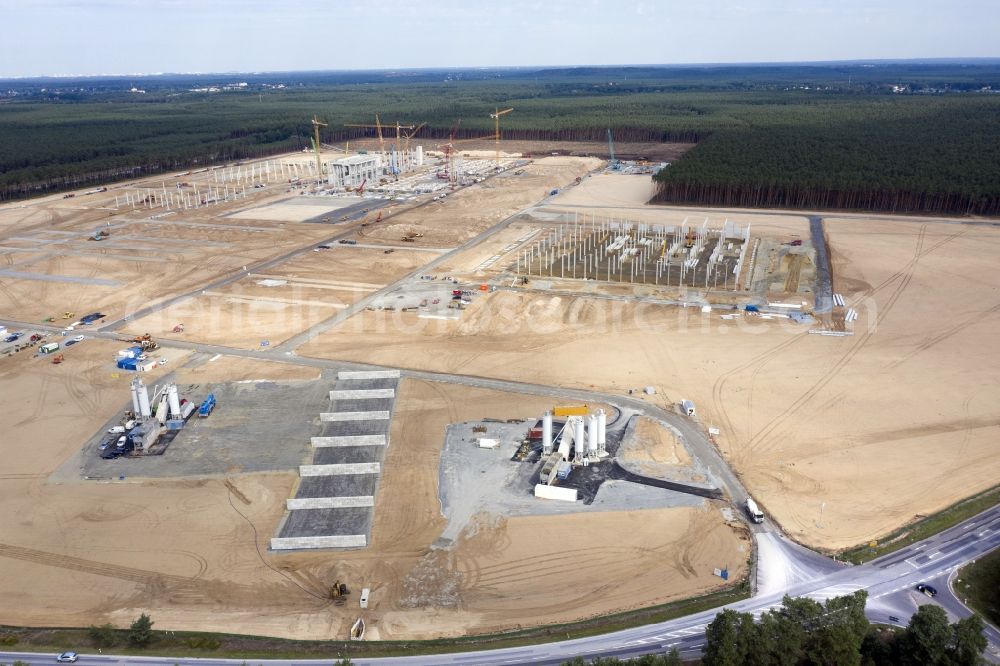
[339, 593]
[68, 315]
[179, 328]
[207, 406]
[358, 630]
[690, 239]
[58, 358]
[377, 220]
[411, 236]
[145, 341]
[99, 235]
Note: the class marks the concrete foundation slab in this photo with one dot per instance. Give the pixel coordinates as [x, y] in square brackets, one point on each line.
[329, 502]
[368, 374]
[334, 470]
[362, 393]
[353, 416]
[348, 440]
[298, 543]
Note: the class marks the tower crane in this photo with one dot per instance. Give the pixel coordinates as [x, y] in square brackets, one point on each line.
[400, 135]
[496, 119]
[317, 123]
[611, 150]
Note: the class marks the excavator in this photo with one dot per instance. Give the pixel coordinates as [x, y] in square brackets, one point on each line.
[145, 341]
[339, 592]
[58, 358]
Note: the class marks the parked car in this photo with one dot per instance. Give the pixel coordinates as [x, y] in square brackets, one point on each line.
[926, 589]
[105, 445]
[79, 338]
[67, 657]
[12, 337]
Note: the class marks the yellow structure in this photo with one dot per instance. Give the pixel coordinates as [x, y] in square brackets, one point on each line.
[571, 410]
[496, 118]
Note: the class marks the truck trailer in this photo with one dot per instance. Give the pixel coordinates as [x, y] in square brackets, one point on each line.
[756, 515]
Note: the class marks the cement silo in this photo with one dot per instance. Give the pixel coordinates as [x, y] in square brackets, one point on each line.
[602, 429]
[175, 403]
[579, 439]
[135, 396]
[592, 437]
[547, 434]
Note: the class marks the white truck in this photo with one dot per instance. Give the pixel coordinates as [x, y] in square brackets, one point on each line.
[756, 515]
[687, 407]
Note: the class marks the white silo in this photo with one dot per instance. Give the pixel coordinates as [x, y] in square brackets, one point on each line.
[547, 433]
[420, 155]
[578, 438]
[602, 429]
[592, 435]
[135, 396]
[566, 441]
[175, 404]
[143, 392]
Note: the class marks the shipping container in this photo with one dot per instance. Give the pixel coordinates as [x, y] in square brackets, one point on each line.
[555, 492]
[48, 347]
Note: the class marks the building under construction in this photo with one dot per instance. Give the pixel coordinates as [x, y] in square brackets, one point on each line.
[688, 255]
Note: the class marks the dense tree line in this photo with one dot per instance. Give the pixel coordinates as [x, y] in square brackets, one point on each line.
[766, 135]
[837, 633]
[938, 155]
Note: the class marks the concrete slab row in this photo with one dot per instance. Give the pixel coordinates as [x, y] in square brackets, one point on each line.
[339, 469]
[368, 374]
[359, 394]
[297, 543]
[329, 502]
[353, 416]
[348, 440]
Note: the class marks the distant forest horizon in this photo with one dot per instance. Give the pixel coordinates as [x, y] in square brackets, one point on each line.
[894, 136]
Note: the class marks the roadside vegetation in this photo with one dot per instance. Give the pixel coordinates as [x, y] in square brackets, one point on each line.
[978, 585]
[804, 631]
[197, 644]
[924, 527]
[893, 137]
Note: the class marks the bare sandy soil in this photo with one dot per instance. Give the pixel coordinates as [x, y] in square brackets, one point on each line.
[806, 419]
[285, 300]
[840, 439]
[142, 262]
[84, 552]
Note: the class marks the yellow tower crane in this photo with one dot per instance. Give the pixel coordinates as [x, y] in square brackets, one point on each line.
[317, 123]
[496, 118]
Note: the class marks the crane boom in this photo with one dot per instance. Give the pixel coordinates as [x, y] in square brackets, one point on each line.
[496, 118]
[611, 150]
[317, 123]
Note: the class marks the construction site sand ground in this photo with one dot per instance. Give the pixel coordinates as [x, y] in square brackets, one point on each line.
[841, 439]
[283, 301]
[817, 426]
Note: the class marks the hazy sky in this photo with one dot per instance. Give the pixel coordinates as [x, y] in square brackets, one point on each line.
[65, 37]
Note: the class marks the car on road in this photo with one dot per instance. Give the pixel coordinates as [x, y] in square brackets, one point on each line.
[79, 338]
[12, 337]
[923, 588]
[67, 657]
